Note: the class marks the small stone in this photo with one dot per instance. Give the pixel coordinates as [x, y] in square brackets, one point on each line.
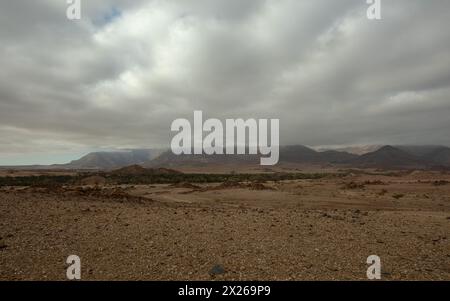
[217, 270]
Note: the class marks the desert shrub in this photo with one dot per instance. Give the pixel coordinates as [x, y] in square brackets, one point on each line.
[163, 178]
[36, 181]
[382, 192]
[440, 183]
[353, 185]
[398, 196]
[375, 182]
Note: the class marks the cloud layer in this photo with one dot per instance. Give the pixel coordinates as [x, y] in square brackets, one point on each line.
[119, 76]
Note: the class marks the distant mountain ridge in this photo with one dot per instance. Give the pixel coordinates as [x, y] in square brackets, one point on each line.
[386, 157]
[303, 154]
[439, 156]
[389, 157]
[111, 160]
[435, 154]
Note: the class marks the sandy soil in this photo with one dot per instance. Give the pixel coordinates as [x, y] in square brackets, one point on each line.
[294, 230]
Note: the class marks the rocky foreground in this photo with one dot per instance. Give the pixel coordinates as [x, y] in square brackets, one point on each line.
[294, 230]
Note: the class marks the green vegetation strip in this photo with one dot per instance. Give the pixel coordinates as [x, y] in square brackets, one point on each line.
[39, 181]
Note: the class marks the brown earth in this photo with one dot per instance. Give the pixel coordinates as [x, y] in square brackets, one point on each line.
[293, 230]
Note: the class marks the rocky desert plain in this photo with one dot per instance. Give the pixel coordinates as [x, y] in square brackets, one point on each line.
[267, 226]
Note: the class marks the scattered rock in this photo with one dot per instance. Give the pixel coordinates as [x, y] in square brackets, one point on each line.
[398, 196]
[217, 270]
[440, 183]
[230, 184]
[353, 185]
[375, 182]
[259, 186]
[382, 192]
[93, 180]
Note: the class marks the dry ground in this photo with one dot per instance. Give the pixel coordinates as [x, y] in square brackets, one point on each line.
[294, 230]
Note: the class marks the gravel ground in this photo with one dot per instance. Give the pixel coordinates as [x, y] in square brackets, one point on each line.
[300, 230]
[146, 239]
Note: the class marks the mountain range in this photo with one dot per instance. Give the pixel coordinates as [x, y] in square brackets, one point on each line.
[385, 157]
[112, 160]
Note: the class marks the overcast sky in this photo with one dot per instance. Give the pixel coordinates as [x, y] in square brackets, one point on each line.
[118, 77]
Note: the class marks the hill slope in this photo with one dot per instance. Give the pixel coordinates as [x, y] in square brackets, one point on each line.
[288, 154]
[111, 160]
[439, 156]
[388, 157]
[303, 154]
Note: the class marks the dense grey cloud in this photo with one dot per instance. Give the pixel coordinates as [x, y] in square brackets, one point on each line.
[119, 76]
